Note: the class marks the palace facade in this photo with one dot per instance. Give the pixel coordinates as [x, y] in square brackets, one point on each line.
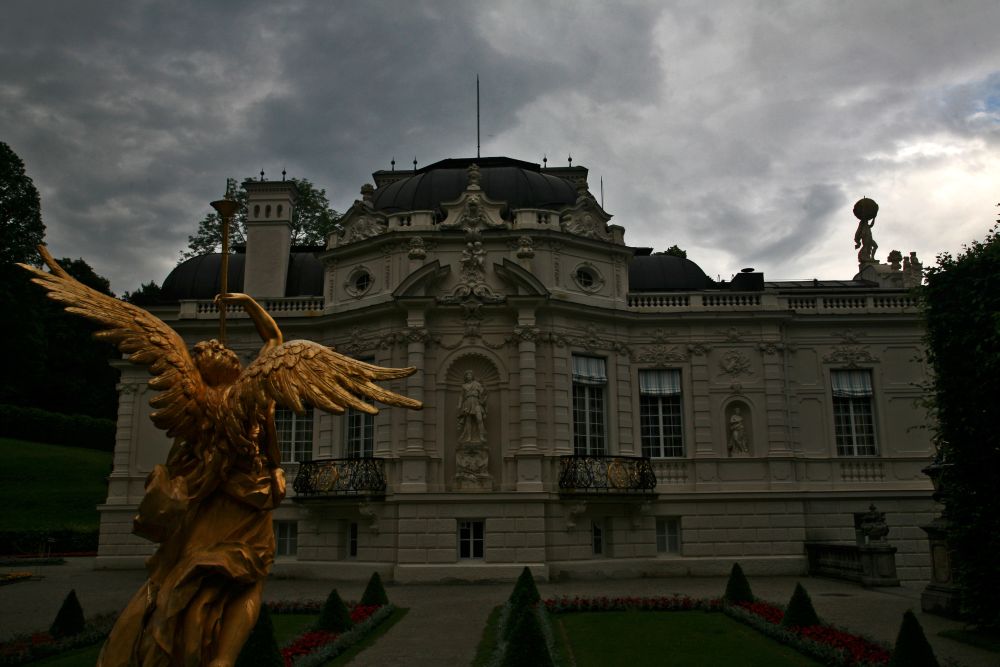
[591, 408]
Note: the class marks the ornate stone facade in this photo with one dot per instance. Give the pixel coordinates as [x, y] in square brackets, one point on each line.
[770, 412]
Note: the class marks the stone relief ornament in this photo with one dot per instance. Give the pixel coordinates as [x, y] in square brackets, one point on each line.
[472, 286]
[662, 355]
[586, 218]
[698, 349]
[365, 227]
[771, 348]
[417, 248]
[524, 248]
[734, 364]
[850, 356]
[208, 506]
[369, 512]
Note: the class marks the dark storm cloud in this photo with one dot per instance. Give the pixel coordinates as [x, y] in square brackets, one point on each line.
[741, 132]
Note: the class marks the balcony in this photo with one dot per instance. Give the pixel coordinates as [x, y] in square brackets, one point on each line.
[338, 478]
[598, 474]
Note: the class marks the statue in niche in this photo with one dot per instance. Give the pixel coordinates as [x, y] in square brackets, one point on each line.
[472, 457]
[738, 442]
[472, 411]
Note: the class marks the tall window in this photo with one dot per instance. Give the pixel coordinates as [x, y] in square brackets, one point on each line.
[668, 535]
[470, 539]
[589, 382]
[360, 440]
[660, 413]
[286, 537]
[853, 418]
[295, 434]
[597, 537]
[352, 540]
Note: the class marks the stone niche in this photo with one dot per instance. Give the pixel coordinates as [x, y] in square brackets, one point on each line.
[472, 425]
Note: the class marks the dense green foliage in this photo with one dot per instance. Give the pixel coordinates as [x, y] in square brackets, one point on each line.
[148, 294]
[525, 592]
[312, 220]
[58, 366]
[671, 639]
[334, 616]
[526, 645]
[912, 648]
[800, 612]
[21, 228]
[737, 588]
[962, 308]
[56, 491]
[69, 620]
[374, 592]
[57, 429]
[261, 649]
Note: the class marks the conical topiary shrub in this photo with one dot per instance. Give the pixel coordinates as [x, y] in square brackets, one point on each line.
[912, 648]
[737, 588]
[800, 612]
[525, 592]
[334, 616]
[69, 620]
[261, 648]
[526, 645]
[374, 592]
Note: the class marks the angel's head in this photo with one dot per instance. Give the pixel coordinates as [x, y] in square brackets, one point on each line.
[217, 364]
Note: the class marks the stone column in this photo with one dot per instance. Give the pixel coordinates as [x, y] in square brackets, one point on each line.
[414, 459]
[528, 455]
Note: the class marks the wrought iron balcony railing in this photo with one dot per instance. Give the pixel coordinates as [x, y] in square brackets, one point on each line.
[340, 477]
[606, 474]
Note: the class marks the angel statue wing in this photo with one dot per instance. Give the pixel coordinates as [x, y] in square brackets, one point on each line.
[301, 371]
[146, 340]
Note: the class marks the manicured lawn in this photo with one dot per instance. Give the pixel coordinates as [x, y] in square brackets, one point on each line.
[50, 487]
[661, 639]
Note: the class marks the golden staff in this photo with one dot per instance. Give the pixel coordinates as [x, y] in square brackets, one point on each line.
[226, 208]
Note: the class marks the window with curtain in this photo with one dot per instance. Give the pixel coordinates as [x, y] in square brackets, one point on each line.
[589, 386]
[853, 416]
[660, 413]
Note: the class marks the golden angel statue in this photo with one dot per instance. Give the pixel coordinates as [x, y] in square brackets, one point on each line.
[209, 506]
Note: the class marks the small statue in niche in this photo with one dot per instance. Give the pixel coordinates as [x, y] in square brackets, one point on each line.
[472, 411]
[738, 442]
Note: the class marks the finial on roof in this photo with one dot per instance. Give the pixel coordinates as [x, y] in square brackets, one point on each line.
[261, 175]
[392, 163]
[282, 174]
[570, 158]
[414, 163]
[545, 161]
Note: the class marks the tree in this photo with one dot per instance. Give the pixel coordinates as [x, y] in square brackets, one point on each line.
[21, 228]
[962, 310]
[675, 251]
[312, 220]
[148, 294]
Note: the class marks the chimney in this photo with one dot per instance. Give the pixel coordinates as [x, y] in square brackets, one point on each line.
[269, 237]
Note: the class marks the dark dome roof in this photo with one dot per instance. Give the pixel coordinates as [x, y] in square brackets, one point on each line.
[198, 277]
[520, 184]
[666, 272]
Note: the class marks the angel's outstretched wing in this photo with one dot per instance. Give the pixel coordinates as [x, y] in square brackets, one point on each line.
[300, 371]
[145, 338]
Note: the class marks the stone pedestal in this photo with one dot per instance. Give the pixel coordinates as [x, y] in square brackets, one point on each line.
[941, 596]
[529, 472]
[878, 565]
[472, 462]
[413, 473]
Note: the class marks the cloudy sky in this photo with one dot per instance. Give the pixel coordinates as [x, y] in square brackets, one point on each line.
[741, 131]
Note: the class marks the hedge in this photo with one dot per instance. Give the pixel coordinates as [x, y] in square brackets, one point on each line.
[57, 429]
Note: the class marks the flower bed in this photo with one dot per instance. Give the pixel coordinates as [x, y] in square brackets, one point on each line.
[26, 648]
[828, 644]
[315, 647]
[14, 577]
[663, 603]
